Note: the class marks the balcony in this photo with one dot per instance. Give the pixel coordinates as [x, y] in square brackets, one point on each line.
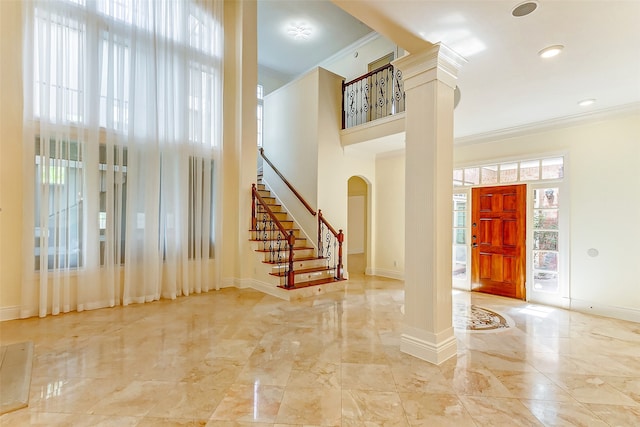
[373, 96]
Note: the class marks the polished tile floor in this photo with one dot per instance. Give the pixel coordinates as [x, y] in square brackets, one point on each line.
[238, 357]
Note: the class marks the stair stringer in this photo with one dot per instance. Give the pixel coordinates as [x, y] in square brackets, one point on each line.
[305, 232]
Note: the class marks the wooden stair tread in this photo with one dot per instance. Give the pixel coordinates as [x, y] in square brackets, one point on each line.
[300, 248]
[275, 240]
[312, 283]
[276, 230]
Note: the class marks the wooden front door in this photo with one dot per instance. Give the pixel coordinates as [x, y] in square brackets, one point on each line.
[498, 240]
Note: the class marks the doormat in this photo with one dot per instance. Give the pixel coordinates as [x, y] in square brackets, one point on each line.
[479, 319]
[16, 361]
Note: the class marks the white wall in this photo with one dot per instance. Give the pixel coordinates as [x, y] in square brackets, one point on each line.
[271, 79]
[604, 189]
[335, 167]
[291, 144]
[601, 170]
[389, 226]
[356, 224]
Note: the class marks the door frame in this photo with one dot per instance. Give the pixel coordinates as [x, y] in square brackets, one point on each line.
[562, 298]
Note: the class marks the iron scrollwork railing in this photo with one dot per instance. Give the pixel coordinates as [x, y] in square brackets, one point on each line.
[377, 94]
[277, 242]
[330, 246]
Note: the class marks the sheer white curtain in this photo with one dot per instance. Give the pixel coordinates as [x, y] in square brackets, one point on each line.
[122, 113]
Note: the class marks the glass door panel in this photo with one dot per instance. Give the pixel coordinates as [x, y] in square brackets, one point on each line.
[545, 253]
[460, 266]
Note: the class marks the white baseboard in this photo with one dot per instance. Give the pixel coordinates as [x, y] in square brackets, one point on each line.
[9, 313]
[389, 274]
[229, 282]
[622, 313]
[435, 353]
[264, 287]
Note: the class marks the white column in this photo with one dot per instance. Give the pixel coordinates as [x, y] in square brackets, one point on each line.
[429, 80]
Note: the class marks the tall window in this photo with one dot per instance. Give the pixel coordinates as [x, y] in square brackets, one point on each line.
[509, 173]
[123, 119]
[546, 204]
[459, 259]
[260, 114]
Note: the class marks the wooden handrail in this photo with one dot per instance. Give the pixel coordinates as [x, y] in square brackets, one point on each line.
[257, 195]
[370, 73]
[333, 230]
[295, 192]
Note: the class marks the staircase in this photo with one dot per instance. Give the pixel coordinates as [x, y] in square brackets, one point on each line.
[306, 273]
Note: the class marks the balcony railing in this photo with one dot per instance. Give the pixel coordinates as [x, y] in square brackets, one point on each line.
[375, 95]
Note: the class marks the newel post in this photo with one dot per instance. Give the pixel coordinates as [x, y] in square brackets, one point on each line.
[320, 251]
[253, 207]
[340, 238]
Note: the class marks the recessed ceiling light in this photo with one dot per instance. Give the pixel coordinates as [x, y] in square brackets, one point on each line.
[551, 51]
[299, 31]
[525, 8]
[587, 102]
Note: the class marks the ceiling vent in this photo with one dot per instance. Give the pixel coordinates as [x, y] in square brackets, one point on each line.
[523, 9]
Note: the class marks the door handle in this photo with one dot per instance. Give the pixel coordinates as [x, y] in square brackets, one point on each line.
[474, 245]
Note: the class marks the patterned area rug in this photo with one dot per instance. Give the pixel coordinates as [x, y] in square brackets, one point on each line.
[478, 319]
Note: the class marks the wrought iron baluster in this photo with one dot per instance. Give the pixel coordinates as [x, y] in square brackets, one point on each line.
[265, 236]
[328, 252]
[272, 254]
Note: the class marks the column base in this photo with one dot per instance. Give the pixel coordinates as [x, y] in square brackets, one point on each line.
[432, 352]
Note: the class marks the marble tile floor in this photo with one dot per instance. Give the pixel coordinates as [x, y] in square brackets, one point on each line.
[240, 358]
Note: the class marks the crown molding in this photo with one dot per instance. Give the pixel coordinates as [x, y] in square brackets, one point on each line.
[345, 51]
[546, 125]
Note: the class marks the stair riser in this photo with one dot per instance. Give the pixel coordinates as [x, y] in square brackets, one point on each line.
[258, 236]
[300, 265]
[309, 276]
[268, 200]
[260, 215]
[286, 224]
[284, 256]
[272, 206]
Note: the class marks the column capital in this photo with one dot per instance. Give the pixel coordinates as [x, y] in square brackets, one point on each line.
[438, 62]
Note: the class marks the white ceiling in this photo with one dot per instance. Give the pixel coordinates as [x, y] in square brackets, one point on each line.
[505, 85]
[332, 29]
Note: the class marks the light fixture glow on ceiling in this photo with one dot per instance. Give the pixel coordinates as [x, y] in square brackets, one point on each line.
[551, 51]
[299, 31]
[587, 102]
